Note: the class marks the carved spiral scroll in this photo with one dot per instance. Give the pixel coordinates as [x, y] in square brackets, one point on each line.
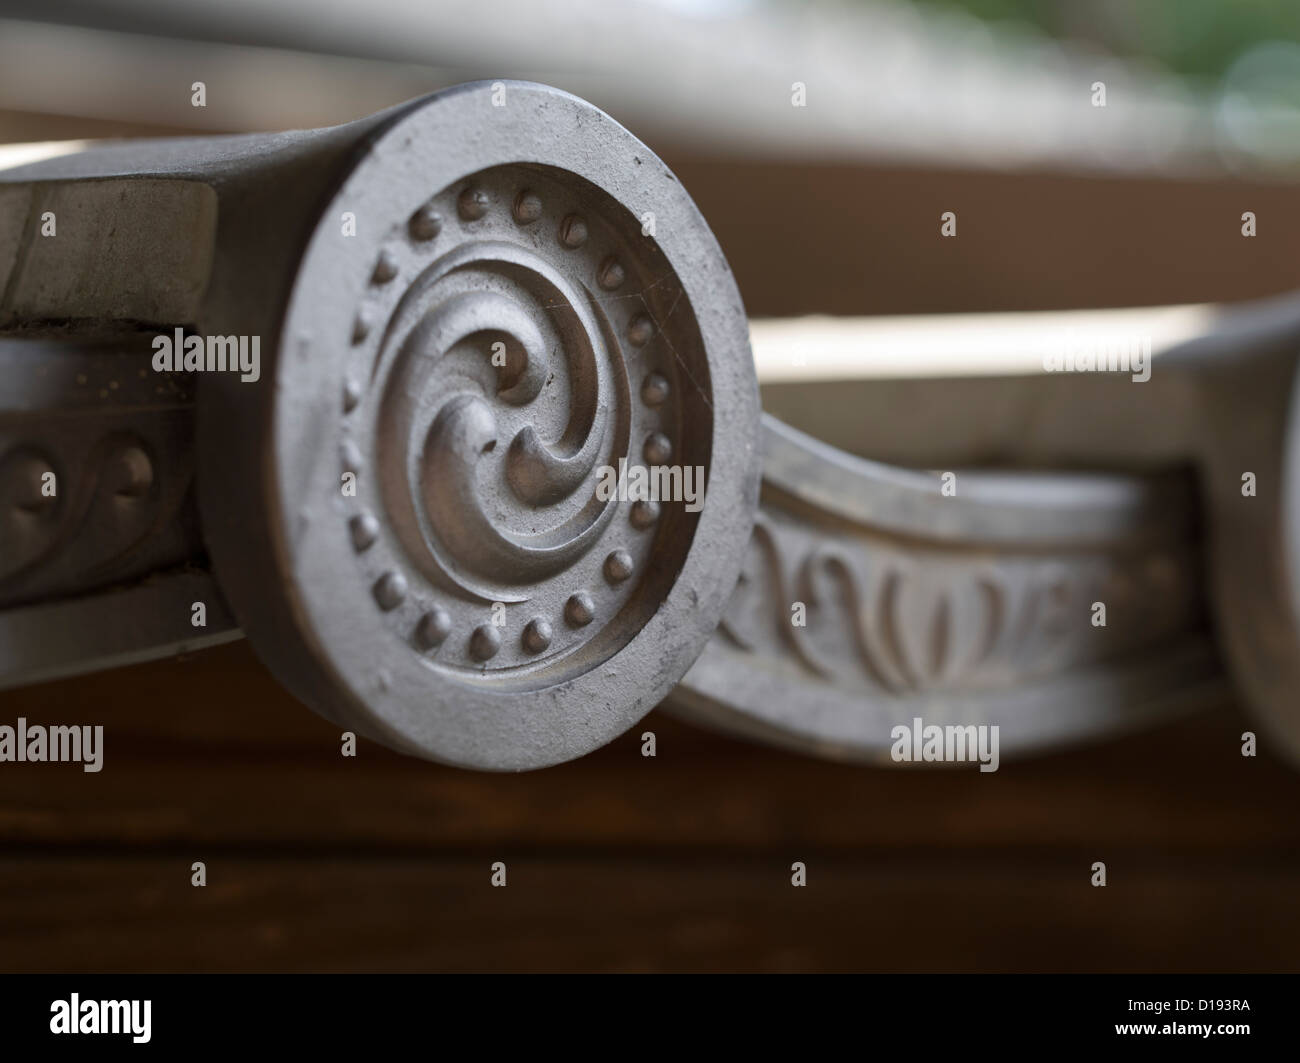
[466, 362]
[514, 343]
[448, 548]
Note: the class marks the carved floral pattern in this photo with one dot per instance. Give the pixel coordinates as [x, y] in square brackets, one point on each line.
[908, 619]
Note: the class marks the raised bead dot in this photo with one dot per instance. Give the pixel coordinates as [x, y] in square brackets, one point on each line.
[433, 628]
[425, 223]
[644, 513]
[527, 208]
[579, 609]
[385, 268]
[133, 473]
[654, 389]
[657, 449]
[472, 204]
[364, 322]
[364, 530]
[390, 590]
[618, 566]
[639, 330]
[484, 642]
[537, 635]
[351, 395]
[573, 231]
[611, 274]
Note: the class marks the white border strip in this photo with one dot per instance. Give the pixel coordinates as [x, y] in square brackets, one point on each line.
[854, 348]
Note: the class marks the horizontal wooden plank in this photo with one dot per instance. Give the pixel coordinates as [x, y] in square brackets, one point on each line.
[211, 750]
[871, 913]
[865, 239]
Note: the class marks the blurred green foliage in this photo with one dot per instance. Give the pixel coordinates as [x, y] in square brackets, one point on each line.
[1196, 38]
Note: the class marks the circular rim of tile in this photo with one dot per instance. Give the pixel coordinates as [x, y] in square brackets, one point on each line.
[295, 588]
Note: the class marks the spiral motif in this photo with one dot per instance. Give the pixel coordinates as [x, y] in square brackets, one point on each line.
[519, 355]
[438, 461]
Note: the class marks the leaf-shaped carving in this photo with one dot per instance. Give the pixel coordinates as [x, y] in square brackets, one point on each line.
[911, 621]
